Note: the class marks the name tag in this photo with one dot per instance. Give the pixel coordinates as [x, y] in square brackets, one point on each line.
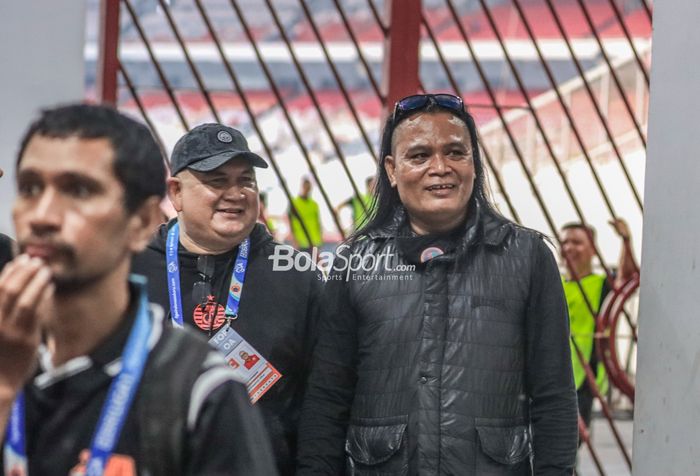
[248, 364]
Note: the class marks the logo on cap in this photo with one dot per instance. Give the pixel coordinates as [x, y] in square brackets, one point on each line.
[224, 136]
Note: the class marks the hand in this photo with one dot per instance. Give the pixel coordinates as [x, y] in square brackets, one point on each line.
[621, 228]
[26, 293]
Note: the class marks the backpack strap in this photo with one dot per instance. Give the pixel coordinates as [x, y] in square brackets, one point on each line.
[172, 369]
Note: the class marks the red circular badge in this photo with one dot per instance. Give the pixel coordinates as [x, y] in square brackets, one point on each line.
[205, 313]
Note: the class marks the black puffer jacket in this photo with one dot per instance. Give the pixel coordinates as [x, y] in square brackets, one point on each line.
[460, 367]
[277, 317]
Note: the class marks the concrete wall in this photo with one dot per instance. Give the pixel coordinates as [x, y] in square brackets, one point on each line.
[41, 64]
[667, 415]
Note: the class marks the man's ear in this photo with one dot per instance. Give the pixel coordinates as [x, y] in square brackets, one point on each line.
[390, 167]
[144, 222]
[174, 191]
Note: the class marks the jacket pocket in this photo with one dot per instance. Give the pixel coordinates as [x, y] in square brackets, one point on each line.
[377, 446]
[504, 447]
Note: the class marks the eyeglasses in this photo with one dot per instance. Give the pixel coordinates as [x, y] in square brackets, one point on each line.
[421, 101]
[202, 288]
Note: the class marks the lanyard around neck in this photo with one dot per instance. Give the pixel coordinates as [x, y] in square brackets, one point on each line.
[115, 409]
[173, 269]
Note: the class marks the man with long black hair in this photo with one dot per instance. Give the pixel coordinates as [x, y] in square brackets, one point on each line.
[443, 348]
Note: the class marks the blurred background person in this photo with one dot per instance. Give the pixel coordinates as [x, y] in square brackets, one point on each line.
[578, 252]
[359, 206]
[308, 211]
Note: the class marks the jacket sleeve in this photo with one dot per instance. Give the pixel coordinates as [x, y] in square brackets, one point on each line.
[550, 384]
[331, 386]
[228, 435]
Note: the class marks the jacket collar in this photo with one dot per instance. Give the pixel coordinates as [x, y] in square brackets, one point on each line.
[479, 228]
[258, 237]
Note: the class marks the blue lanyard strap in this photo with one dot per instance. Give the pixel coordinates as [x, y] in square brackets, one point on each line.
[237, 278]
[116, 407]
[173, 269]
[14, 452]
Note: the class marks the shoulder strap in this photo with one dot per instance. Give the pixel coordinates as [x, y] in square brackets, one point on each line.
[165, 396]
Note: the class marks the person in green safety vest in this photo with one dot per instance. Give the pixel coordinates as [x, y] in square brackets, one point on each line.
[308, 211]
[263, 216]
[356, 204]
[578, 252]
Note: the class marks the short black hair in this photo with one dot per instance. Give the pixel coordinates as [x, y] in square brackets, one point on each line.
[577, 225]
[139, 163]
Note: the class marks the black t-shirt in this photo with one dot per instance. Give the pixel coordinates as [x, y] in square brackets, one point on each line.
[63, 405]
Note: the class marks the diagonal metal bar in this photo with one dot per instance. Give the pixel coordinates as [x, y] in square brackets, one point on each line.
[628, 36]
[582, 146]
[540, 127]
[647, 9]
[555, 88]
[594, 102]
[590, 378]
[586, 438]
[339, 81]
[317, 105]
[251, 114]
[139, 104]
[504, 123]
[489, 90]
[351, 33]
[613, 72]
[156, 64]
[193, 68]
[377, 16]
[287, 115]
[492, 96]
[456, 89]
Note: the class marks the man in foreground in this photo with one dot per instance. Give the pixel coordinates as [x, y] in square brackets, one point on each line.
[212, 269]
[108, 389]
[452, 355]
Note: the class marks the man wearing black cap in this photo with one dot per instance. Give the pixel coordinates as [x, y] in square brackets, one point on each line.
[210, 267]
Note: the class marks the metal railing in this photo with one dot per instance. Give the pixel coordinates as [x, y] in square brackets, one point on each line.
[548, 98]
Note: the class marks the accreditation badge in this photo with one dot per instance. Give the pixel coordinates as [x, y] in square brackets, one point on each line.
[248, 364]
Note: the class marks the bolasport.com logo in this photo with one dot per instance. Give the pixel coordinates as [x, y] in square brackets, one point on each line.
[352, 267]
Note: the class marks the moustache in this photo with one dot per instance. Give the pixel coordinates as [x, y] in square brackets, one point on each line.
[55, 248]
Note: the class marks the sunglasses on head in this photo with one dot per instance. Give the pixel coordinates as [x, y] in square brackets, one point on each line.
[202, 288]
[421, 101]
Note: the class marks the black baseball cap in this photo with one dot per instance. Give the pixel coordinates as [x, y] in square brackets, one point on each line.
[209, 146]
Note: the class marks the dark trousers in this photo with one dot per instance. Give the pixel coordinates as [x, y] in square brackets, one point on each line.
[585, 403]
